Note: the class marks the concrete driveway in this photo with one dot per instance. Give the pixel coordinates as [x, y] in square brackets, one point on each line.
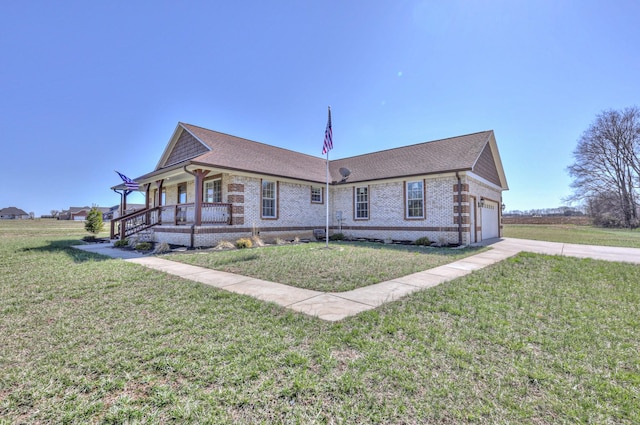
[607, 253]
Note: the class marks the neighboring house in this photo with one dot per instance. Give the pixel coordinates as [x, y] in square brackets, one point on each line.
[209, 186]
[80, 213]
[114, 211]
[12, 213]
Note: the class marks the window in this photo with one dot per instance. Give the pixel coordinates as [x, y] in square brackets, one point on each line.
[163, 199]
[414, 199]
[362, 203]
[182, 193]
[316, 195]
[212, 191]
[269, 199]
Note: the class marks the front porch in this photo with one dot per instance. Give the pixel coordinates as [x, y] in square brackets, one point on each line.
[210, 214]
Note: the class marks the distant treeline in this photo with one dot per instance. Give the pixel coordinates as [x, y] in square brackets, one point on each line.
[558, 211]
[581, 220]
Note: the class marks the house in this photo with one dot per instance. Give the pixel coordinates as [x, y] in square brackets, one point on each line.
[12, 213]
[210, 186]
[114, 211]
[80, 213]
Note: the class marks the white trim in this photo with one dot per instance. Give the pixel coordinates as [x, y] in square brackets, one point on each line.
[355, 202]
[321, 201]
[406, 199]
[274, 199]
[483, 180]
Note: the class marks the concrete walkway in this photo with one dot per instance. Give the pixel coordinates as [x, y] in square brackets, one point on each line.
[334, 306]
[108, 250]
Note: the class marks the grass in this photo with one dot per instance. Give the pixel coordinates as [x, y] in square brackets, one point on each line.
[534, 339]
[342, 267]
[569, 233]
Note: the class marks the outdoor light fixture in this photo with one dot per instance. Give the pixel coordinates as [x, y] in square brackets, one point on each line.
[481, 203]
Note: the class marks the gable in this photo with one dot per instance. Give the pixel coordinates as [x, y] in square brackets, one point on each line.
[186, 147]
[486, 167]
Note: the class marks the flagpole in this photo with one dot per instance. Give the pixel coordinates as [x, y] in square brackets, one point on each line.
[326, 233]
[326, 147]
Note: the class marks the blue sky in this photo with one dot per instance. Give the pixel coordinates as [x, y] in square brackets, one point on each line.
[87, 88]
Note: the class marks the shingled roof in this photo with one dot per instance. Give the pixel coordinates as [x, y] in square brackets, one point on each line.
[235, 153]
[446, 155]
[12, 211]
[199, 146]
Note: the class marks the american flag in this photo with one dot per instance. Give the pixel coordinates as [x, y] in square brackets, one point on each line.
[129, 184]
[328, 136]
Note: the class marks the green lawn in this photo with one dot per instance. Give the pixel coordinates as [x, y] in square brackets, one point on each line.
[342, 267]
[534, 339]
[569, 233]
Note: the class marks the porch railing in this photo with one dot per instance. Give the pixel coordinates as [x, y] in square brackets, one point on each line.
[212, 213]
[135, 222]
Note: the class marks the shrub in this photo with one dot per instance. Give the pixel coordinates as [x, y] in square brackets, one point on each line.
[423, 241]
[225, 245]
[280, 241]
[162, 248]
[336, 237]
[243, 243]
[607, 220]
[134, 240]
[121, 243]
[144, 246]
[257, 241]
[94, 222]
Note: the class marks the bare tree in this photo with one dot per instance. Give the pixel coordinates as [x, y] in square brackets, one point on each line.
[606, 166]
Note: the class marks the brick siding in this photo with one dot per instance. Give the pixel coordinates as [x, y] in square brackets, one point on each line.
[298, 216]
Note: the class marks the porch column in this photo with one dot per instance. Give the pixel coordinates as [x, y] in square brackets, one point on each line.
[159, 192]
[123, 203]
[199, 175]
[159, 200]
[147, 191]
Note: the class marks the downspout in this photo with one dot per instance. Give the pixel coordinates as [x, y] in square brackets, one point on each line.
[121, 197]
[194, 224]
[459, 209]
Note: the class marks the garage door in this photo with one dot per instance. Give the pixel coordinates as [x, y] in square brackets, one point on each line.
[490, 224]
